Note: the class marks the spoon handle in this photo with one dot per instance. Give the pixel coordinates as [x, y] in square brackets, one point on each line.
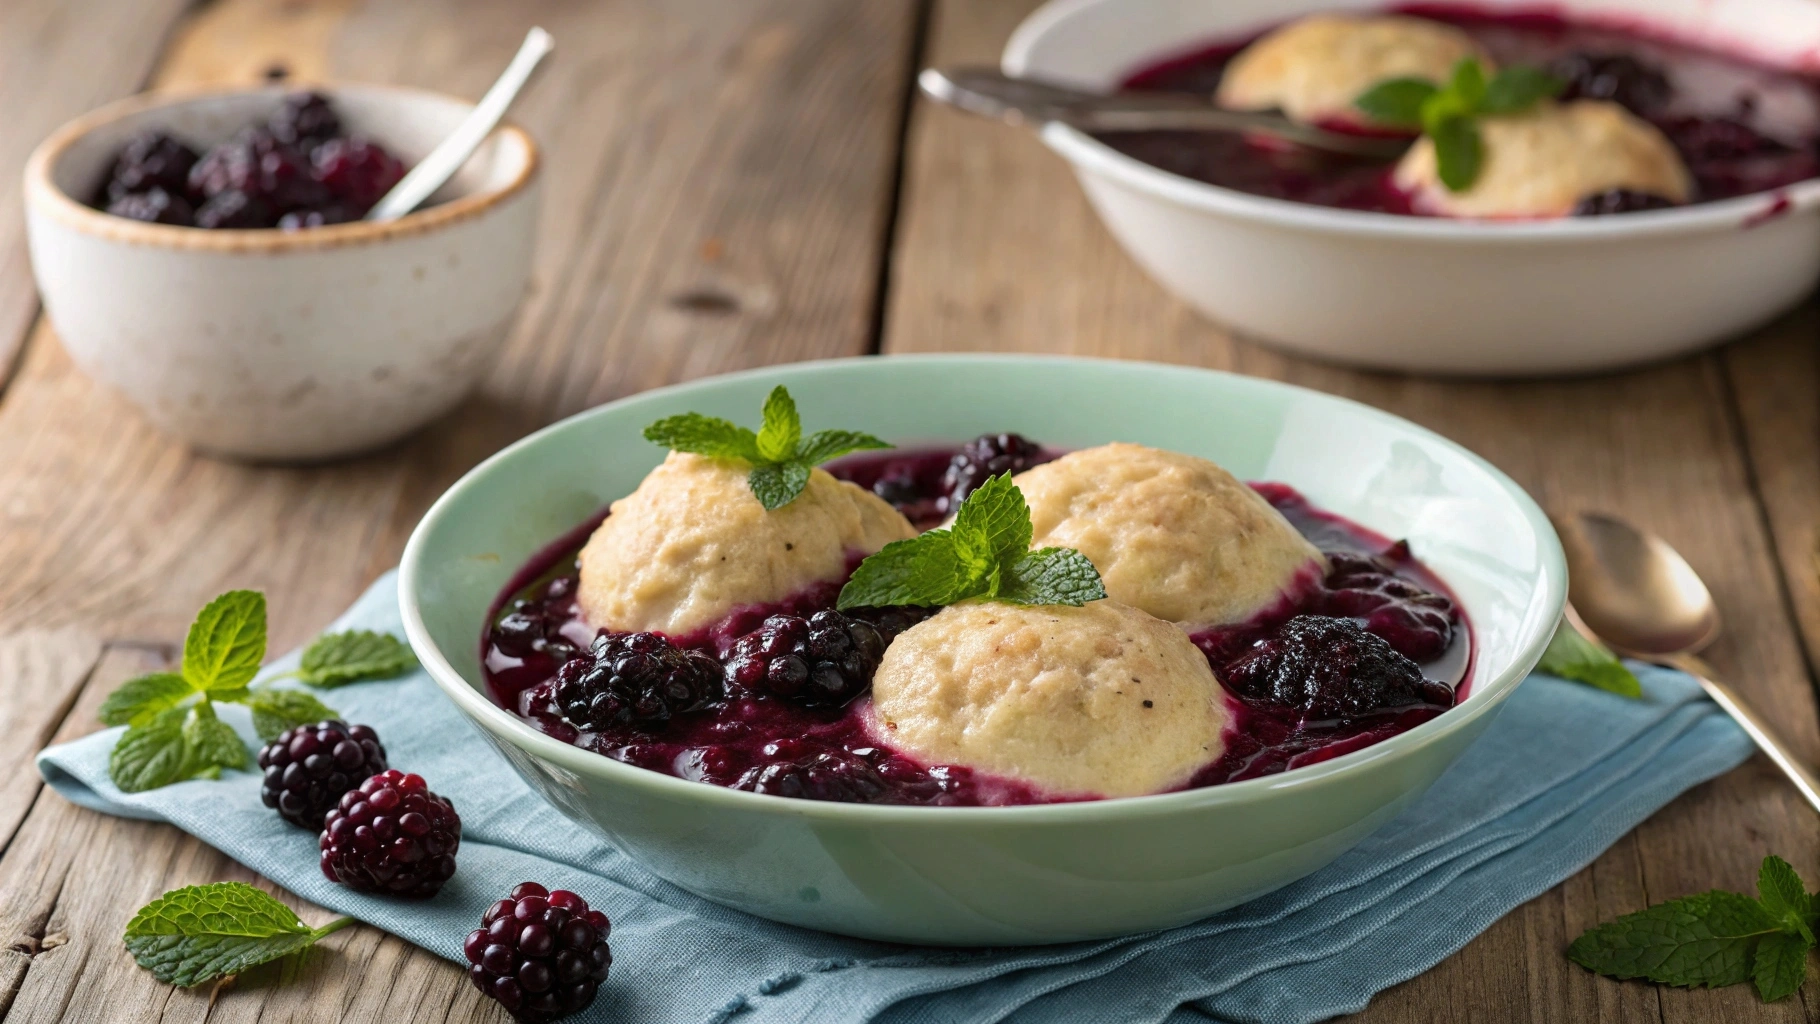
[1798, 773]
[448, 156]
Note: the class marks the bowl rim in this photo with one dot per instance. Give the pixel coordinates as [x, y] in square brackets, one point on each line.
[1487, 693]
[1088, 154]
[43, 194]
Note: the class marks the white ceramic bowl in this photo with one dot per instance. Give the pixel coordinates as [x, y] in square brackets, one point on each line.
[285, 345]
[1432, 295]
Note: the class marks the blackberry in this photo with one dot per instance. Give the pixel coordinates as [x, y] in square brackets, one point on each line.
[1620, 200]
[826, 659]
[636, 679]
[309, 768]
[1621, 78]
[836, 777]
[892, 620]
[1418, 623]
[297, 220]
[154, 206]
[984, 457]
[234, 209]
[534, 625]
[392, 836]
[1331, 669]
[149, 160]
[541, 954]
[1703, 140]
[356, 171]
[305, 120]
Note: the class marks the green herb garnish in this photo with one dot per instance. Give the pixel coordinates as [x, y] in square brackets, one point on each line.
[1449, 114]
[1713, 939]
[986, 553]
[780, 456]
[203, 932]
[173, 732]
[1573, 655]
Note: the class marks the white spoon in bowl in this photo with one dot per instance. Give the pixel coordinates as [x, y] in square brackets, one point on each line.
[448, 156]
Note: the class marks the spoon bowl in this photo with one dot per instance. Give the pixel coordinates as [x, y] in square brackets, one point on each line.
[1634, 590]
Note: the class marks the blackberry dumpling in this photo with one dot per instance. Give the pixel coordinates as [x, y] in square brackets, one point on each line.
[1171, 534]
[691, 545]
[1099, 700]
[1543, 163]
[1314, 68]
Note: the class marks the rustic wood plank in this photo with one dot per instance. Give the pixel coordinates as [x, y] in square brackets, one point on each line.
[718, 183]
[997, 249]
[55, 63]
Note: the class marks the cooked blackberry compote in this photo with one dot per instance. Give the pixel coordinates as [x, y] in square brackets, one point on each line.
[1642, 122]
[298, 169]
[1324, 638]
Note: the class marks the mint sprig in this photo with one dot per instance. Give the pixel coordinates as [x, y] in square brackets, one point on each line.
[336, 659]
[202, 932]
[986, 553]
[173, 733]
[1713, 939]
[1573, 655]
[1449, 114]
[780, 456]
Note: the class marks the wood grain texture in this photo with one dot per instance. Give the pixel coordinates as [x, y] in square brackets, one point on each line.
[54, 64]
[982, 263]
[718, 186]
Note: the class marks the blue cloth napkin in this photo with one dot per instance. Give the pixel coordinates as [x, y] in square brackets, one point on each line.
[1563, 773]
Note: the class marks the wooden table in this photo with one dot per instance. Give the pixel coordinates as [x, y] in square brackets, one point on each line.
[735, 183]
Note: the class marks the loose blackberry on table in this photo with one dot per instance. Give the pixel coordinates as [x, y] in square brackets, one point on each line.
[636, 679]
[393, 836]
[309, 768]
[541, 954]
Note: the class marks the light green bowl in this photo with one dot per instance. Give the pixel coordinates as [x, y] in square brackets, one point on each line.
[1003, 875]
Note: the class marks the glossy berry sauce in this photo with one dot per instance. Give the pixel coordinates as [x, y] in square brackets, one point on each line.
[764, 744]
[1741, 127]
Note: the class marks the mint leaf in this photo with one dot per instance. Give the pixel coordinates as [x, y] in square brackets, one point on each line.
[1396, 102]
[274, 711]
[1780, 966]
[202, 932]
[212, 743]
[922, 571]
[1784, 898]
[1706, 939]
[783, 428]
[704, 435]
[1051, 576]
[1572, 655]
[152, 755]
[777, 486]
[138, 701]
[781, 457]
[1519, 87]
[994, 521]
[335, 659]
[823, 445]
[1459, 152]
[226, 643]
[1468, 85]
[984, 554]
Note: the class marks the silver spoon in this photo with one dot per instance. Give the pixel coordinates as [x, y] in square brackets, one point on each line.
[1028, 101]
[434, 170]
[1636, 593]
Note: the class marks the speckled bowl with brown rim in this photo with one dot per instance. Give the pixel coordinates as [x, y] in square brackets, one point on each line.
[287, 345]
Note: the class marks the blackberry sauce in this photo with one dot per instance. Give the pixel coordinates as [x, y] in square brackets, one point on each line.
[1741, 127]
[760, 743]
